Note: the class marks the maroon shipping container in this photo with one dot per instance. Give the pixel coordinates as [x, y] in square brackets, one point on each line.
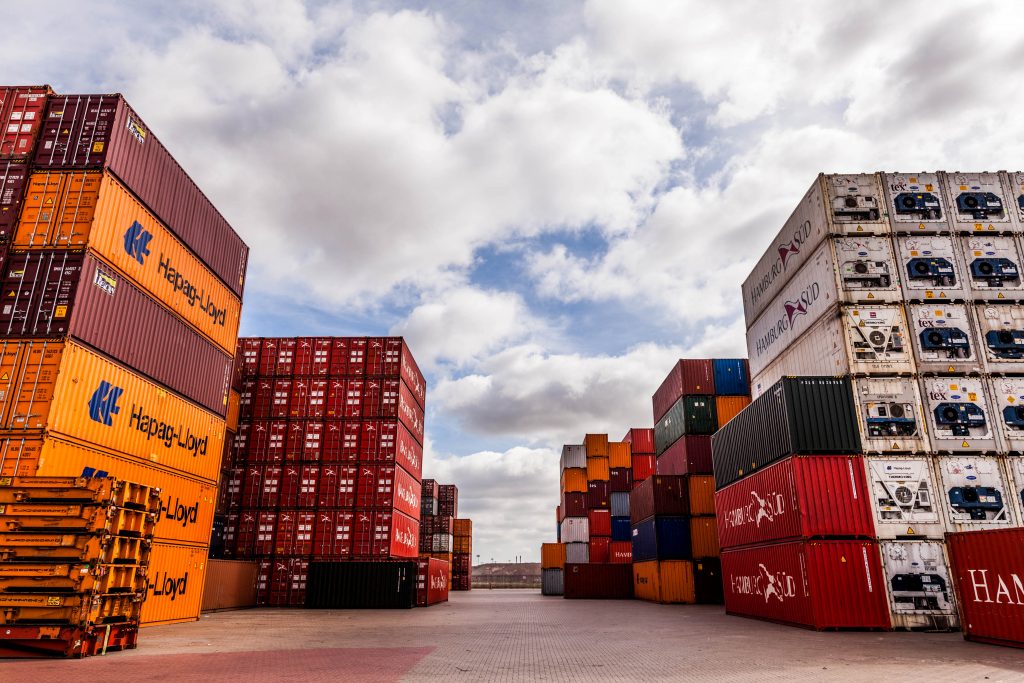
[312, 357]
[266, 531]
[13, 178]
[659, 495]
[294, 534]
[433, 578]
[600, 523]
[428, 487]
[598, 495]
[305, 441]
[261, 486]
[388, 487]
[573, 505]
[600, 548]
[640, 440]
[276, 357]
[462, 563]
[383, 534]
[245, 538]
[599, 581]
[690, 454]
[818, 584]
[332, 534]
[621, 480]
[53, 293]
[341, 441]
[22, 110]
[620, 552]
[814, 496]
[309, 487]
[247, 356]
[101, 131]
[448, 500]
[688, 376]
[988, 568]
[337, 485]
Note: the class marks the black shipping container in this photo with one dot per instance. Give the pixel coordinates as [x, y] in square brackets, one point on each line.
[707, 581]
[669, 428]
[217, 537]
[688, 415]
[361, 585]
[798, 415]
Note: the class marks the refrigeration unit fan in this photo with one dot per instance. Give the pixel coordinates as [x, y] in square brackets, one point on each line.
[995, 272]
[1008, 344]
[979, 205]
[923, 205]
[960, 418]
[938, 271]
[949, 340]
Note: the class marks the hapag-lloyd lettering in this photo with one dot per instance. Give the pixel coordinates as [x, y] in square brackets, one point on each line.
[758, 510]
[178, 511]
[196, 297]
[793, 309]
[769, 585]
[779, 265]
[166, 433]
[997, 588]
[166, 585]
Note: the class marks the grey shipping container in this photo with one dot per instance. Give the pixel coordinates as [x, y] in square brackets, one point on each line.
[573, 455]
[620, 504]
[552, 582]
[797, 415]
[577, 552]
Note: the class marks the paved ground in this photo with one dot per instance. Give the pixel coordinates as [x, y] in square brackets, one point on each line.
[520, 636]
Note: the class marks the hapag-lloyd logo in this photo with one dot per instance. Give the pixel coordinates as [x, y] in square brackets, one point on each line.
[791, 311]
[103, 407]
[769, 585]
[786, 251]
[997, 588]
[759, 509]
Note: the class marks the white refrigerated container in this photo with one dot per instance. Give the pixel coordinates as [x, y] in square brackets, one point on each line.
[992, 267]
[890, 415]
[919, 585]
[1014, 183]
[905, 499]
[1007, 396]
[916, 202]
[958, 415]
[943, 338]
[1000, 333]
[1014, 467]
[931, 268]
[978, 202]
[976, 492]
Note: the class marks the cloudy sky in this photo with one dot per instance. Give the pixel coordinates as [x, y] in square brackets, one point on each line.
[550, 200]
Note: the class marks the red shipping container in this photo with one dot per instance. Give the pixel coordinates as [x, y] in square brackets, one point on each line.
[266, 528]
[988, 568]
[598, 496]
[277, 357]
[101, 131]
[332, 534]
[264, 441]
[640, 440]
[388, 487]
[312, 357]
[53, 293]
[298, 403]
[399, 446]
[355, 350]
[309, 398]
[462, 563]
[22, 110]
[600, 524]
[341, 441]
[800, 497]
[13, 177]
[600, 550]
[643, 467]
[231, 521]
[232, 483]
[390, 357]
[309, 482]
[248, 356]
[337, 486]
[599, 581]
[433, 578]
[280, 398]
[380, 534]
[264, 571]
[573, 505]
[659, 495]
[289, 487]
[621, 480]
[246, 399]
[818, 584]
[304, 442]
[245, 543]
[287, 526]
[690, 454]
[262, 393]
[280, 579]
[262, 486]
[688, 376]
[620, 552]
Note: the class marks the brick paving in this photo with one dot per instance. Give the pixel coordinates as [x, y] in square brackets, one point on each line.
[508, 635]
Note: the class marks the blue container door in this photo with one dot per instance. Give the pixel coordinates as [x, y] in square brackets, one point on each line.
[731, 377]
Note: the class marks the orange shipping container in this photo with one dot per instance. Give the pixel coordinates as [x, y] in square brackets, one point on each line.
[552, 556]
[704, 536]
[462, 544]
[463, 527]
[187, 505]
[619, 454]
[702, 494]
[574, 480]
[596, 444]
[79, 209]
[177, 576]
[729, 407]
[64, 388]
[230, 584]
[598, 470]
[234, 409]
[668, 581]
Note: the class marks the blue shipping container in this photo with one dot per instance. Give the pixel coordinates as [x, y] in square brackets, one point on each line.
[621, 530]
[662, 538]
[620, 505]
[732, 377]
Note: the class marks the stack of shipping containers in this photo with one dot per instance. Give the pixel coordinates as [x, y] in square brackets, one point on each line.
[327, 461]
[462, 555]
[909, 284]
[121, 289]
[443, 538]
[435, 547]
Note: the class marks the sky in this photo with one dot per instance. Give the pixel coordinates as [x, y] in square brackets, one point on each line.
[551, 201]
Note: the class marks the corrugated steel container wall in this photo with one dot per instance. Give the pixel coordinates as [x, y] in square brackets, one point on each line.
[916, 203]
[573, 505]
[702, 494]
[101, 131]
[573, 455]
[599, 522]
[598, 469]
[596, 445]
[577, 553]
[622, 529]
[666, 582]
[55, 293]
[552, 582]
[707, 581]
[620, 552]
[732, 376]
[799, 497]
[699, 415]
[599, 548]
[231, 419]
[575, 530]
[361, 585]
[186, 504]
[22, 110]
[176, 576]
[662, 538]
[552, 555]
[646, 465]
[659, 495]
[987, 569]
[688, 376]
[230, 584]
[904, 497]
[19, 455]
[690, 454]
[599, 581]
[619, 454]
[728, 407]
[598, 495]
[87, 209]
[619, 504]
[640, 440]
[620, 480]
[819, 584]
[70, 390]
[574, 480]
[797, 415]
[13, 180]
[970, 216]
[670, 426]
[704, 537]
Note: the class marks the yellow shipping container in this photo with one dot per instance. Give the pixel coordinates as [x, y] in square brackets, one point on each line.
[598, 469]
[668, 581]
[186, 504]
[596, 444]
[574, 480]
[619, 454]
[79, 209]
[702, 494]
[728, 407]
[552, 556]
[704, 536]
[177, 576]
[234, 410]
[67, 389]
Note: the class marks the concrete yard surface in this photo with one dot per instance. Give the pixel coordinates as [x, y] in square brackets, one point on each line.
[518, 635]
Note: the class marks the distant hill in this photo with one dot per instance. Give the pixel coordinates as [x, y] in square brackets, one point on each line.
[507, 575]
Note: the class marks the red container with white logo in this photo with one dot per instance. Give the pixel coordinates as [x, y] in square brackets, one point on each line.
[988, 569]
[305, 441]
[818, 584]
[341, 442]
[289, 488]
[312, 356]
[247, 357]
[245, 535]
[620, 552]
[337, 485]
[433, 578]
[309, 486]
[262, 441]
[388, 487]
[640, 440]
[380, 534]
[813, 496]
[332, 534]
[689, 454]
[266, 532]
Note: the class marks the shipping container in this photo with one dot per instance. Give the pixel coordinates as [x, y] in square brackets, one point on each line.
[662, 538]
[932, 269]
[690, 454]
[54, 293]
[890, 415]
[916, 203]
[388, 487]
[332, 534]
[598, 469]
[817, 584]
[574, 480]
[177, 574]
[573, 456]
[641, 441]
[976, 492]
[728, 407]
[599, 523]
[918, 581]
[384, 534]
[620, 552]
[688, 376]
[834, 205]
[704, 537]
[573, 505]
[660, 495]
[599, 549]
[993, 267]
[599, 581]
[622, 529]
[1015, 479]
[666, 582]
[575, 530]
[702, 494]
[596, 445]
[1007, 394]
[959, 417]
[986, 567]
[732, 376]
[646, 465]
[797, 415]
[230, 584]
[433, 578]
[598, 495]
[905, 500]
[13, 180]
[361, 585]
[707, 581]
[619, 455]
[552, 555]
[619, 504]
[864, 340]
[552, 582]
[811, 496]
[620, 480]
[978, 202]
[75, 210]
[1015, 187]
[101, 131]
[22, 110]
[944, 340]
[1000, 337]
[577, 553]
